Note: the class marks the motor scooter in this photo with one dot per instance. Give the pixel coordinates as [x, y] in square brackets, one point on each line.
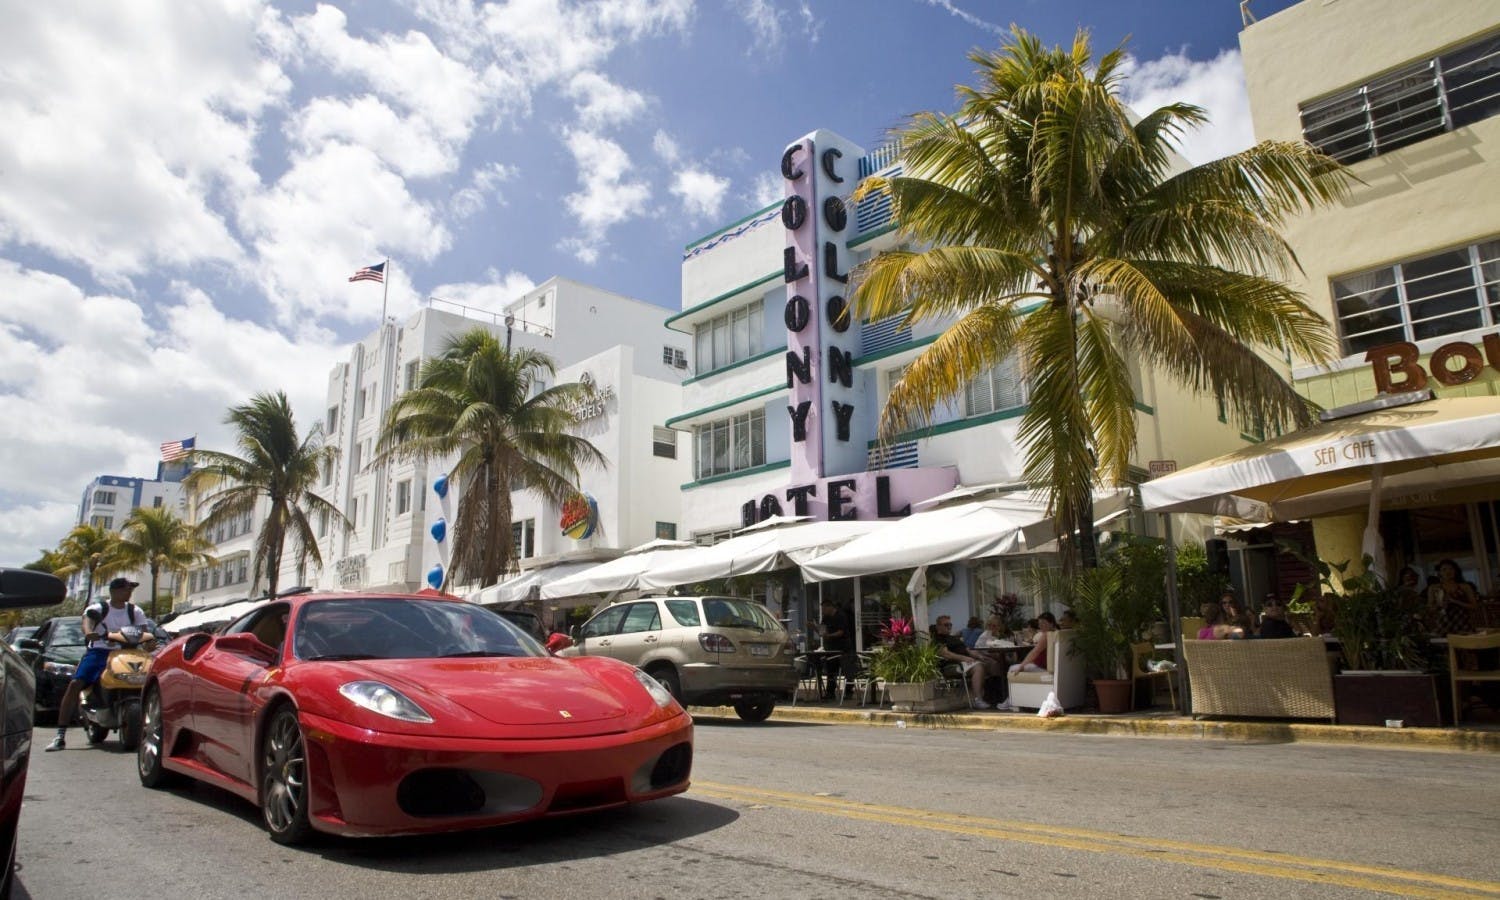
[115, 702]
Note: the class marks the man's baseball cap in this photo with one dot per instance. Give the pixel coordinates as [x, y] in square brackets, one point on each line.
[123, 583]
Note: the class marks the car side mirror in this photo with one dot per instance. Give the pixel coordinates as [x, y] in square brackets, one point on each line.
[23, 588]
[576, 633]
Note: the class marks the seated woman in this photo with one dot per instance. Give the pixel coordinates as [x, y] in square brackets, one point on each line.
[992, 635]
[1036, 660]
[1214, 627]
[1235, 614]
[1452, 599]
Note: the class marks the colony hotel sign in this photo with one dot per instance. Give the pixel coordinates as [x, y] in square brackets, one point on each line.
[829, 480]
[1452, 364]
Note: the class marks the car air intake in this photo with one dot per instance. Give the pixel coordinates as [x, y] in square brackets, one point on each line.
[673, 766]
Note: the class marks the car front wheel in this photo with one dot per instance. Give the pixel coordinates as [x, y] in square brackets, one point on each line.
[283, 787]
[151, 750]
[669, 679]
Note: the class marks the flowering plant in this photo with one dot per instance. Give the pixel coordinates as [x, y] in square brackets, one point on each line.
[902, 659]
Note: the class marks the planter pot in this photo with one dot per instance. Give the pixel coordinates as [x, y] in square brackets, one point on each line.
[1378, 697]
[911, 692]
[1114, 695]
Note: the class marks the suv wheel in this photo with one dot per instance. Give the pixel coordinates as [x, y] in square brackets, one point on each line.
[669, 680]
[754, 710]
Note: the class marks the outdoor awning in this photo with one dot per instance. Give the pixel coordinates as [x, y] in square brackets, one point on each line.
[1000, 525]
[212, 615]
[1444, 447]
[754, 551]
[620, 574]
[519, 588]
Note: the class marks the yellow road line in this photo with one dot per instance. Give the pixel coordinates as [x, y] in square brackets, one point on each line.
[1249, 862]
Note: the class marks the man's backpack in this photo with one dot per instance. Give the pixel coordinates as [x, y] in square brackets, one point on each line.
[102, 610]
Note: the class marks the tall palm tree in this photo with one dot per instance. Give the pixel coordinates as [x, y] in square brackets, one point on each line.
[88, 548]
[161, 542]
[1064, 230]
[479, 399]
[277, 465]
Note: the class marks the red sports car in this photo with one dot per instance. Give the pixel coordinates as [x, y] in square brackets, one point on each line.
[363, 714]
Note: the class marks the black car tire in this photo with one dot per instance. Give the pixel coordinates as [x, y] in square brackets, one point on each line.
[95, 733]
[8, 881]
[283, 781]
[669, 679]
[754, 710]
[130, 725]
[151, 750]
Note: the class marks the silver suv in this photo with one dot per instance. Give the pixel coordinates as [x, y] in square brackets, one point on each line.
[705, 650]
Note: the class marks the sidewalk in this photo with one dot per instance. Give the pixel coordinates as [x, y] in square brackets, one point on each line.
[1154, 723]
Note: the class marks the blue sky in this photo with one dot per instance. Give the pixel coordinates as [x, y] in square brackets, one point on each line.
[185, 188]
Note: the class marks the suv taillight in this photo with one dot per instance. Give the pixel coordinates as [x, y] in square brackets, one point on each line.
[716, 643]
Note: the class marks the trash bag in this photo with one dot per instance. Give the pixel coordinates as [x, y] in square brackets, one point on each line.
[1051, 709]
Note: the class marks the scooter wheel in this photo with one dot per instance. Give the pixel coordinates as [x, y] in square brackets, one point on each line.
[130, 725]
[95, 733]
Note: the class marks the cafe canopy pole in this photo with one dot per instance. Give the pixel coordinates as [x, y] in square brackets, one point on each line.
[1174, 614]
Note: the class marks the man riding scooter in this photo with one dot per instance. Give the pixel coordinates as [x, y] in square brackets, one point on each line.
[101, 625]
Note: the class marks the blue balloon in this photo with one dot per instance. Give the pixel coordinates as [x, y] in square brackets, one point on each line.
[440, 529]
[435, 576]
[440, 485]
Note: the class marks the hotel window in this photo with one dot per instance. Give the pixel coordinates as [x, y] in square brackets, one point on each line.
[413, 369]
[214, 574]
[729, 338]
[328, 471]
[242, 570]
[403, 497]
[192, 582]
[1431, 296]
[1000, 388]
[359, 405]
[663, 442]
[359, 458]
[323, 523]
[333, 419]
[730, 445]
[1409, 104]
[156, 502]
[666, 531]
[106, 498]
[523, 537]
[354, 511]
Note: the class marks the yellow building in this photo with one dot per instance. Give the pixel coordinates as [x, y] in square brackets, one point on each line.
[1407, 94]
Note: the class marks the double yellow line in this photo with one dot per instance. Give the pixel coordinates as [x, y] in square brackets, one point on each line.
[1232, 859]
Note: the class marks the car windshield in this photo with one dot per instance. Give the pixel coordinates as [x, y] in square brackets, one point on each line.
[398, 628]
[724, 612]
[66, 633]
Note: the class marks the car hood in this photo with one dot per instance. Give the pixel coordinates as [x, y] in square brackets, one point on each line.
[506, 691]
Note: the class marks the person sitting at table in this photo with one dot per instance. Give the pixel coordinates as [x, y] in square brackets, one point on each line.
[1453, 600]
[1036, 659]
[1028, 634]
[1068, 620]
[1214, 627]
[836, 631]
[1325, 610]
[971, 632]
[992, 635]
[1273, 623]
[951, 649]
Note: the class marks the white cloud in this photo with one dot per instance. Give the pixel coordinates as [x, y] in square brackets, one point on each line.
[123, 123]
[470, 200]
[405, 145]
[95, 375]
[603, 103]
[701, 192]
[491, 295]
[1217, 85]
[608, 196]
[665, 147]
[764, 20]
[767, 188]
[968, 17]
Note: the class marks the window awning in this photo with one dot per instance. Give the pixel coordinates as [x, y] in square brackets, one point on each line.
[1420, 452]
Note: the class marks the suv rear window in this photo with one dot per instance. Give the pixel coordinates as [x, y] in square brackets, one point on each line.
[723, 612]
[685, 612]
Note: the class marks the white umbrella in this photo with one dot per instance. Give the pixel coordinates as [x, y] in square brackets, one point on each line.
[519, 587]
[619, 574]
[760, 550]
[994, 526]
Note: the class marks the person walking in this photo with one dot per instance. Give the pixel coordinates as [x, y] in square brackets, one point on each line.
[101, 625]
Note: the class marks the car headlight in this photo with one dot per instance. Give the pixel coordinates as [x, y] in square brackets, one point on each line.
[661, 695]
[386, 700]
[57, 668]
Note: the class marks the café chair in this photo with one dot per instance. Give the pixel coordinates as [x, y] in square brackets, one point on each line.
[1141, 653]
[1467, 644]
[807, 678]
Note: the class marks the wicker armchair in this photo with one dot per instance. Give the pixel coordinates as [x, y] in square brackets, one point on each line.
[1280, 679]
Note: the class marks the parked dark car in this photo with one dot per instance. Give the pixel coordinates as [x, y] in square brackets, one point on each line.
[19, 588]
[19, 632]
[54, 652]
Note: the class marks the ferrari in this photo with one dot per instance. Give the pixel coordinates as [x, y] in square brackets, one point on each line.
[371, 715]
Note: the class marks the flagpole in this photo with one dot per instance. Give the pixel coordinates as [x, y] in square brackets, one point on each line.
[385, 298]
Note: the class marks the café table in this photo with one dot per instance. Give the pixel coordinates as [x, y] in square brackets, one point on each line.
[818, 660]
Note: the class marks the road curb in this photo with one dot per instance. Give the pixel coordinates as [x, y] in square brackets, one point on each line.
[1446, 739]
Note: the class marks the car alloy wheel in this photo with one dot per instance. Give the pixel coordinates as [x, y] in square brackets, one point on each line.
[150, 751]
[283, 793]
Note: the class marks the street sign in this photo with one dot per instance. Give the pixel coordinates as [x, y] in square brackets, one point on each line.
[1161, 467]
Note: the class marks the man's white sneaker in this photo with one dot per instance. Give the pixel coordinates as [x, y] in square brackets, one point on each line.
[58, 743]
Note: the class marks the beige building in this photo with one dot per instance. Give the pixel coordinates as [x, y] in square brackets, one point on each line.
[1407, 268]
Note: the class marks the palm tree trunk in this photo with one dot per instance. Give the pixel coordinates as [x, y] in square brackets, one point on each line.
[154, 570]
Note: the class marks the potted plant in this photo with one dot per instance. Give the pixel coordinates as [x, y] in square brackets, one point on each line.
[909, 667]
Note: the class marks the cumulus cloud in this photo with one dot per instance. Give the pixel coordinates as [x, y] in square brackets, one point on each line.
[491, 295]
[767, 188]
[663, 145]
[608, 194]
[1217, 85]
[603, 103]
[472, 199]
[701, 192]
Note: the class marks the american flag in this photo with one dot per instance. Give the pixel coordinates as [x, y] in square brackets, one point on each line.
[175, 450]
[370, 273]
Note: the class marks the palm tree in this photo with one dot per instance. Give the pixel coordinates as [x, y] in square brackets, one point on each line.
[277, 465]
[161, 542]
[1059, 232]
[92, 549]
[476, 400]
